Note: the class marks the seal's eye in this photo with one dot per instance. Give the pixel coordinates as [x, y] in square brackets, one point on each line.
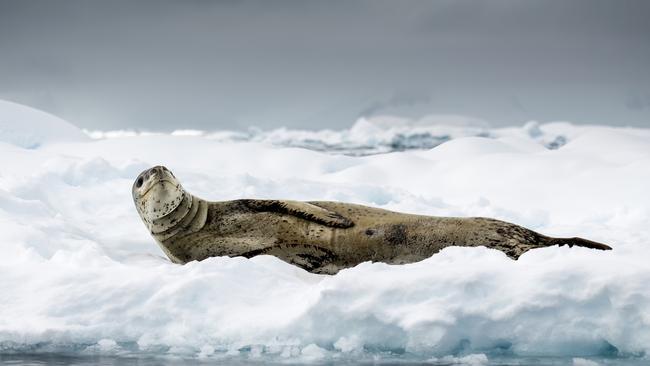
[138, 184]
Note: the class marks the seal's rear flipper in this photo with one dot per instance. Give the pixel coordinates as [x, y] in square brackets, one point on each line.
[515, 253]
[579, 242]
[304, 210]
[516, 250]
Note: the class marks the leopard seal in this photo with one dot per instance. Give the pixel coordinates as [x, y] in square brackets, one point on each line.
[319, 236]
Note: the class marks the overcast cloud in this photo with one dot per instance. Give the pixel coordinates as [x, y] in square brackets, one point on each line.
[162, 65]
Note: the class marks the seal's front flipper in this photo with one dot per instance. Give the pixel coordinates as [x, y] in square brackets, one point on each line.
[303, 210]
[308, 257]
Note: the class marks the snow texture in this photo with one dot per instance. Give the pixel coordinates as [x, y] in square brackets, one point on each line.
[80, 273]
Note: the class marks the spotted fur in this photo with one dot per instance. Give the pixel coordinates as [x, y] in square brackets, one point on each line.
[318, 236]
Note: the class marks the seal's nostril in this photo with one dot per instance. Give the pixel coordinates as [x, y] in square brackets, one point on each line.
[138, 184]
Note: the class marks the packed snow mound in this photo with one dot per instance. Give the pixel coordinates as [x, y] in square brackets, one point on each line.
[30, 128]
[81, 274]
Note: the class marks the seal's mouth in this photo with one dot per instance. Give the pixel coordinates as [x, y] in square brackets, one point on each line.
[160, 181]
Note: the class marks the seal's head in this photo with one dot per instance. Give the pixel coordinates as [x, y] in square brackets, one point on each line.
[156, 193]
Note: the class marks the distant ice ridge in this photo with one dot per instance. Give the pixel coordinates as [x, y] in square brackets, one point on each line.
[81, 275]
[375, 135]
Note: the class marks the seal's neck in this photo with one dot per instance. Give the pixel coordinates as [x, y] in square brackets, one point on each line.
[188, 217]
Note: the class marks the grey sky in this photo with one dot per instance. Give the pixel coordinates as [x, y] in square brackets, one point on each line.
[161, 65]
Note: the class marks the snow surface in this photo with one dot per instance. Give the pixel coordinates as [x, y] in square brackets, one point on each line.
[80, 273]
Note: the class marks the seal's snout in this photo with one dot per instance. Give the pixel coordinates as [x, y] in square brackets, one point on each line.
[155, 171]
[159, 169]
[150, 178]
[152, 175]
[145, 177]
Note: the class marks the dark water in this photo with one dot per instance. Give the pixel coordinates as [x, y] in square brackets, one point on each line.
[53, 359]
[398, 142]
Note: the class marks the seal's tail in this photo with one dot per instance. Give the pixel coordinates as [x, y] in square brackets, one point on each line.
[579, 242]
